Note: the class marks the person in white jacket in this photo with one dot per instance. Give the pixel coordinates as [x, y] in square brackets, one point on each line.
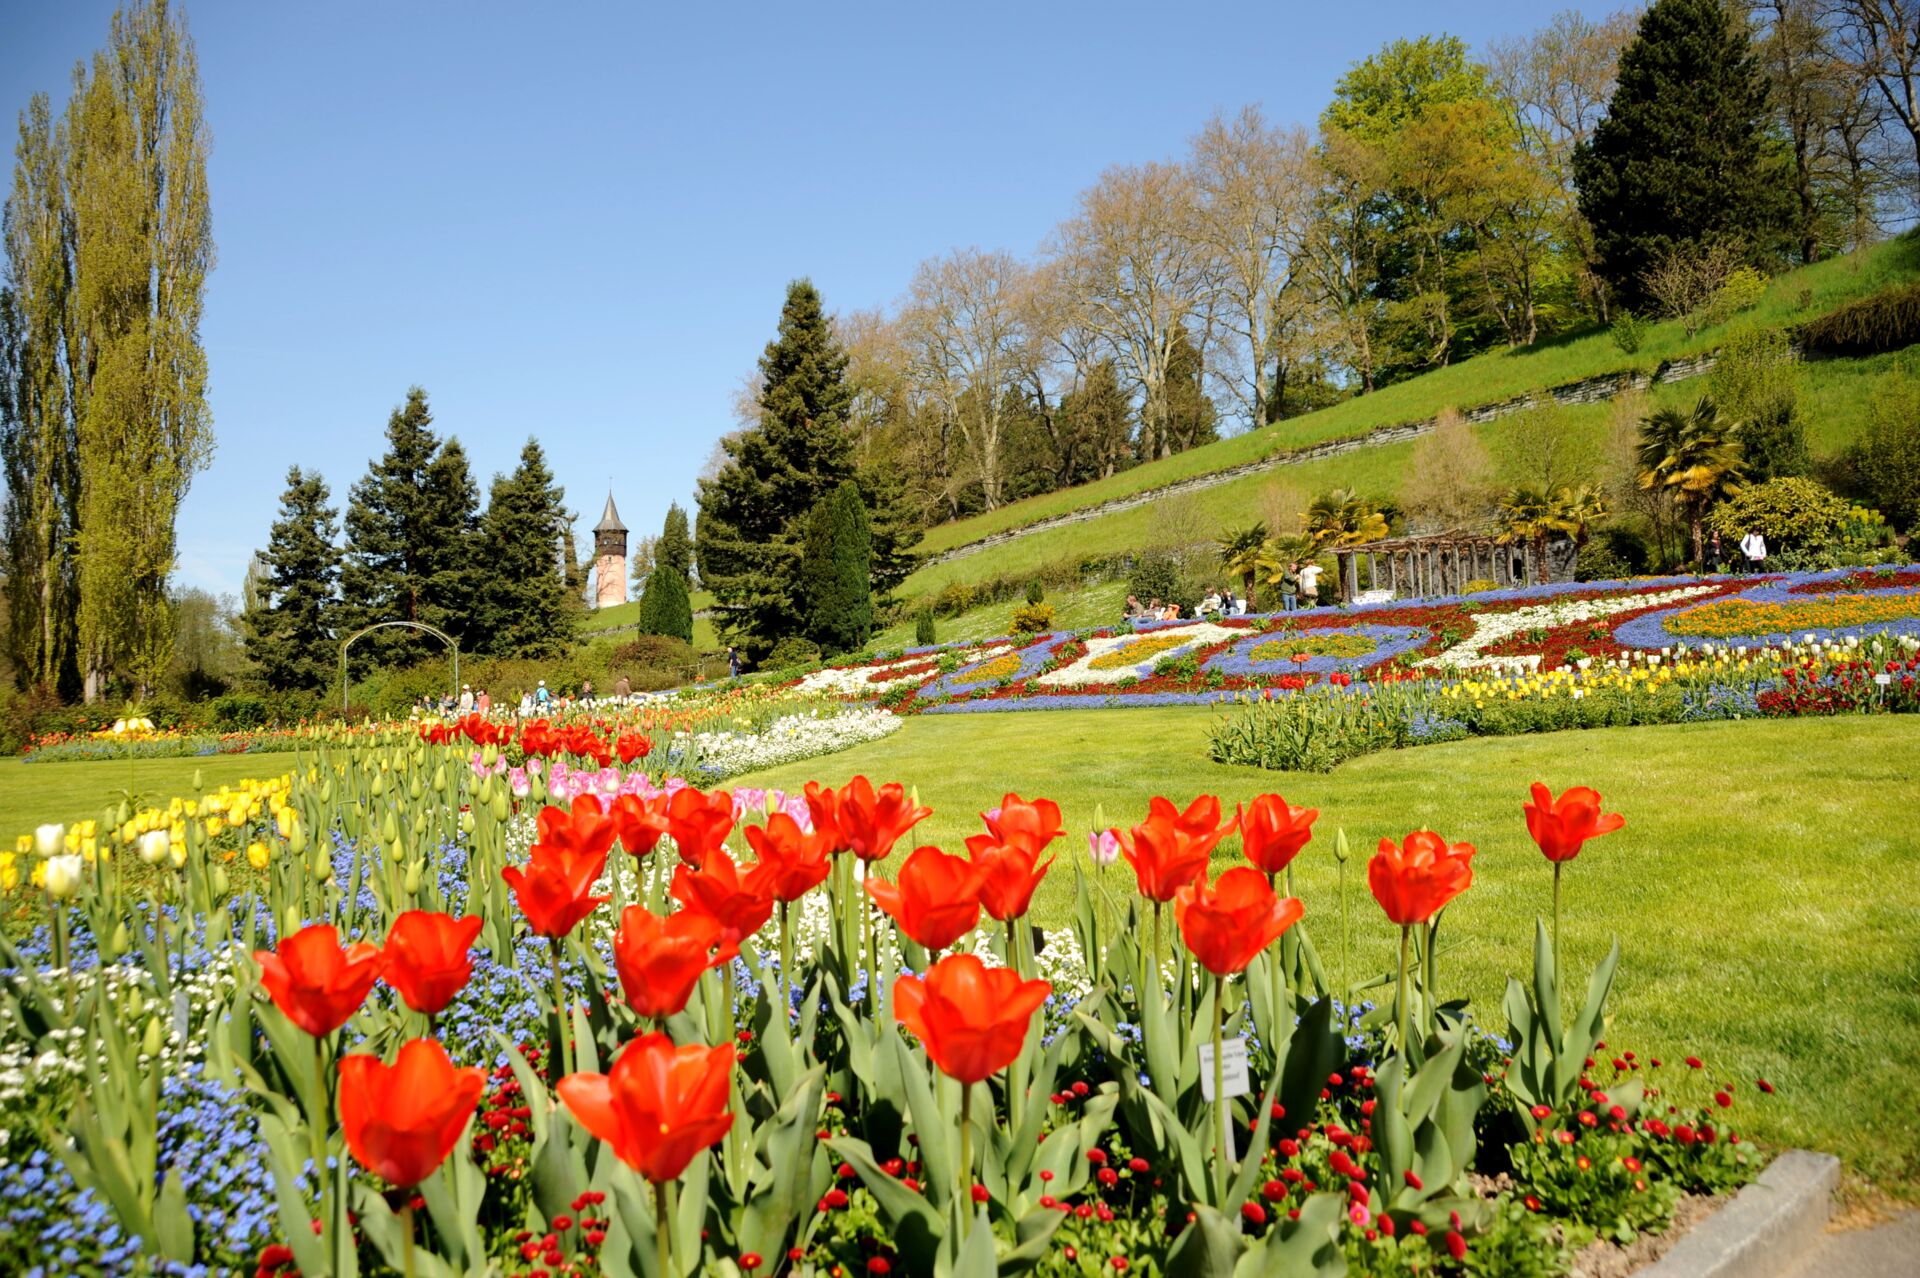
[1754, 547]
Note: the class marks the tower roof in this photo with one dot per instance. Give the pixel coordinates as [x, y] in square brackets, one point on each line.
[610, 518]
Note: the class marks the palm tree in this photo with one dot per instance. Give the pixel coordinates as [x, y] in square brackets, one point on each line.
[1344, 518]
[1693, 457]
[1529, 516]
[1240, 554]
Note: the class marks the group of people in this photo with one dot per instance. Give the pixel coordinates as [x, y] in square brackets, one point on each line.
[1298, 584]
[1753, 553]
[538, 701]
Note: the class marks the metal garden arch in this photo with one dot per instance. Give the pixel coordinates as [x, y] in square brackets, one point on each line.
[453, 645]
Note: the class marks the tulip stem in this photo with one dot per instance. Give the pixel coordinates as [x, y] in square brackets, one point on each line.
[318, 1118]
[1406, 931]
[1556, 936]
[406, 1236]
[1346, 990]
[661, 1233]
[560, 1011]
[966, 1148]
[786, 962]
[1220, 1167]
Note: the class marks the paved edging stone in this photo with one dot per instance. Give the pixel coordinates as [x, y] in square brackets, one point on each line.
[1766, 1230]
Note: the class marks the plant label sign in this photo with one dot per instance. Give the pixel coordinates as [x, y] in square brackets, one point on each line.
[1883, 678]
[1234, 1077]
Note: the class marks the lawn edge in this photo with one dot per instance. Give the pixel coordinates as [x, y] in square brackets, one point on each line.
[1768, 1227]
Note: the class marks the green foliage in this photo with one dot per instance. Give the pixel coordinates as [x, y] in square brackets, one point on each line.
[1613, 555]
[1156, 575]
[836, 572]
[674, 550]
[923, 633]
[1681, 158]
[525, 608]
[1886, 459]
[664, 608]
[1756, 384]
[791, 653]
[1033, 619]
[1035, 591]
[1740, 291]
[291, 635]
[1884, 321]
[1628, 331]
[1550, 1053]
[1790, 513]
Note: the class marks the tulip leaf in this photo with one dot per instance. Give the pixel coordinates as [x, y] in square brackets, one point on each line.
[1208, 1247]
[916, 1228]
[295, 1215]
[171, 1224]
[976, 1256]
[1305, 1247]
[930, 1123]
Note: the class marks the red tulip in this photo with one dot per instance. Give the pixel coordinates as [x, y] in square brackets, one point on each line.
[792, 863]
[1033, 825]
[633, 746]
[553, 890]
[660, 960]
[402, 1120]
[584, 829]
[936, 901]
[823, 804]
[639, 822]
[317, 984]
[427, 959]
[1272, 831]
[1413, 883]
[1228, 922]
[736, 900]
[1560, 826]
[658, 1106]
[1008, 874]
[1170, 848]
[699, 823]
[871, 823]
[972, 1019]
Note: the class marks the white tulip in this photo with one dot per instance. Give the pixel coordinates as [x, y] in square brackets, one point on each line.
[153, 847]
[63, 875]
[50, 839]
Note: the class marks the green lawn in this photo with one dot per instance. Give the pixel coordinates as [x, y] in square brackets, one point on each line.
[1766, 889]
[1791, 298]
[34, 793]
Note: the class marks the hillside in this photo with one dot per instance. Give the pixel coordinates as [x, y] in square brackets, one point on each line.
[1835, 391]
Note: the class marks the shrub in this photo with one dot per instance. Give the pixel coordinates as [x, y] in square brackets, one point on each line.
[1478, 585]
[1613, 554]
[1884, 321]
[1791, 513]
[1156, 575]
[239, 710]
[1628, 331]
[1741, 290]
[1034, 619]
[791, 652]
[1886, 458]
[655, 652]
[923, 628]
[1035, 591]
[955, 598]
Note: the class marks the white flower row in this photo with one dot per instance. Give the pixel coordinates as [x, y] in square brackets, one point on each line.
[861, 681]
[1493, 628]
[790, 739]
[1083, 671]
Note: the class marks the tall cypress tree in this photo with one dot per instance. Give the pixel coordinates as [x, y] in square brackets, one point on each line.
[753, 513]
[664, 606]
[290, 631]
[1682, 158]
[525, 605]
[452, 532]
[836, 571]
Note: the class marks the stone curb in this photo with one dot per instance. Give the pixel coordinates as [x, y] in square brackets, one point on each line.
[1766, 1230]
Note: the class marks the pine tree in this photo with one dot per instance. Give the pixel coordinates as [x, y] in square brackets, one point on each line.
[290, 632]
[892, 526]
[753, 513]
[1682, 158]
[836, 572]
[664, 606]
[525, 608]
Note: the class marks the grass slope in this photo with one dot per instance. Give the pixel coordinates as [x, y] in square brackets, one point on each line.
[1764, 891]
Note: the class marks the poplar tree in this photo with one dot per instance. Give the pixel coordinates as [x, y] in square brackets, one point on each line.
[524, 609]
[290, 630]
[664, 606]
[836, 572]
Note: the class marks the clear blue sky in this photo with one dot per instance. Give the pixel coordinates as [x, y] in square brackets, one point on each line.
[577, 221]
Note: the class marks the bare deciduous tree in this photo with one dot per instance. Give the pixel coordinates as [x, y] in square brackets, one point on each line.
[1449, 481]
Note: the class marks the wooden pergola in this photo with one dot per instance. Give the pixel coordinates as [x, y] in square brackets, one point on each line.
[1434, 564]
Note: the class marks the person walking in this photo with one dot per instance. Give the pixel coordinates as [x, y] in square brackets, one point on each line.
[541, 696]
[622, 688]
[733, 662]
[1754, 547]
[1714, 556]
[483, 703]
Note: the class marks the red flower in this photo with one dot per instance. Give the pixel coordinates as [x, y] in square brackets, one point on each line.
[634, 745]
[1008, 874]
[871, 823]
[823, 803]
[1415, 882]
[427, 960]
[737, 902]
[792, 863]
[699, 823]
[658, 1106]
[1227, 923]
[1272, 832]
[554, 889]
[972, 1019]
[660, 960]
[640, 822]
[585, 829]
[1560, 826]
[1170, 848]
[402, 1120]
[1031, 825]
[936, 901]
[317, 984]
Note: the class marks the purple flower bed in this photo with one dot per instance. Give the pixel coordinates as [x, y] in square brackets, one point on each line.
[1032, 657]
[1389, 642]
[1650, 631]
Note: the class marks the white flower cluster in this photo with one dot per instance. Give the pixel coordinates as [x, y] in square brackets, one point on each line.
[1493, 628]
[1198, 635]
[788, 740]
[869, 681]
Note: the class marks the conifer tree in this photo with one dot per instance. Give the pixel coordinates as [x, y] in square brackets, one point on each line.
[290, 631]
[525, 608]
[674, 550]
[664, 606]
[836, 571]
[1682, 159]
[753, 513]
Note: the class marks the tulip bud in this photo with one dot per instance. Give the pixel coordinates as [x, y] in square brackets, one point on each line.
[1340, 849]
[123, 815]
[489, 755]
[440, 777]
[118, 944]
[466, 822]
[389, 830]
[135, 1003]
[197, 782]
[379, 785]
[49, 839]
[290, 922]
[322, 866]
[153, 847]
[64, 875]
[218, 881]
[501, 810]
[415, 790]
[155, 1037]
[483, 793]
[1099, 818]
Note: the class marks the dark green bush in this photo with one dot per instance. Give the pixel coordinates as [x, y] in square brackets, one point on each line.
[238, 711]
[923, 634]
[1035, 591]
[656, 652]
[1883, 321]
[791, 652]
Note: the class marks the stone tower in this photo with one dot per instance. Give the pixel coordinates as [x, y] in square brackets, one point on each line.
[609, 558]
